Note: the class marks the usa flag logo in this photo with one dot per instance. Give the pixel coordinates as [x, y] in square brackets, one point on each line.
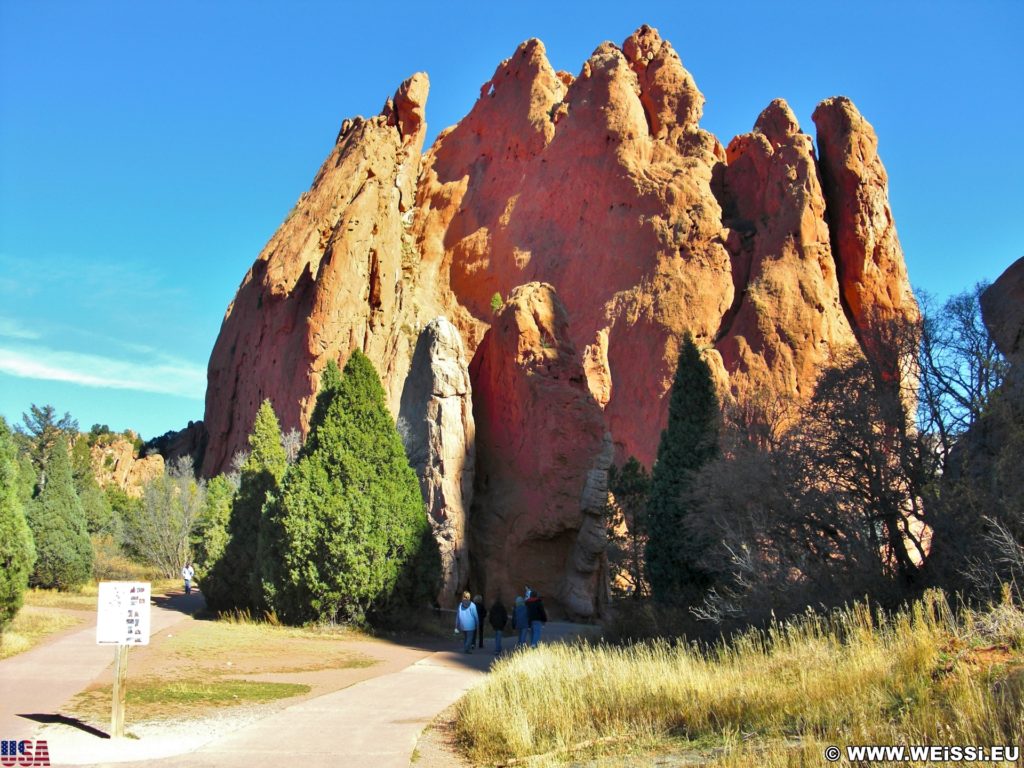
[23, 753]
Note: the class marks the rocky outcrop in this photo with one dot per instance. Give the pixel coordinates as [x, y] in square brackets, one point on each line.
[872, 272]
[608, 223]
[788, 320]
[437, 428]
[598, 187]
[115, 462]
[330, 280]
[539, 435]
[189, 443]
[1002, 307]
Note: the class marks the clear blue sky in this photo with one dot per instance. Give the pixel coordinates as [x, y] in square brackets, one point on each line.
[149, 149]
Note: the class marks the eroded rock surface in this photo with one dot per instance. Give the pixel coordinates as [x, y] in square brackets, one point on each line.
[436, 424]
[608, 223]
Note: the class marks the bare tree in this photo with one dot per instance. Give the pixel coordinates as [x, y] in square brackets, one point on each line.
[171, 505]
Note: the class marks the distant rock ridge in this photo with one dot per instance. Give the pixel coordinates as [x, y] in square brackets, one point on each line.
[608, 222]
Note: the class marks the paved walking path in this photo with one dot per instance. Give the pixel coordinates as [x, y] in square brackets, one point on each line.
[375, 722]
[42, 680]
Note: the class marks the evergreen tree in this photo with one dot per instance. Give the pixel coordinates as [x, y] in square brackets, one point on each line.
[39, 432]
[99, 515]
[233, 582]
[17, 552]
[210, 535]
[689, 441]
[63, 550]
[348, 526]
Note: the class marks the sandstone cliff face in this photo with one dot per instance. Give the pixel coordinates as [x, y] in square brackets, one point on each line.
[115, 463]
[539, 434]
[872, 272]
[610, 223]
[329, 281]
[436, 424]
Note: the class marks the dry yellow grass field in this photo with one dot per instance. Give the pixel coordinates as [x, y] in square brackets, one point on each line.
[923, 676]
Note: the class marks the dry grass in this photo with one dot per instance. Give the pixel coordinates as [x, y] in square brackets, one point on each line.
[31, 626]
[84, 599]
[766, 698]
[239, 648]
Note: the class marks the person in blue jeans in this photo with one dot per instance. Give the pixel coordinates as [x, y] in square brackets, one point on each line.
[520, 621]
[536, 616]
[499, 618]
[465, 622]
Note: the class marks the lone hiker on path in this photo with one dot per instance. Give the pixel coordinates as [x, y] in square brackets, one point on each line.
[188, 573]
[466, 621]
[536, 615]
[520, 622]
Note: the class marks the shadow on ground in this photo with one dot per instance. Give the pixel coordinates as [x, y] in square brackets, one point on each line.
[192, 605]
[74, 722]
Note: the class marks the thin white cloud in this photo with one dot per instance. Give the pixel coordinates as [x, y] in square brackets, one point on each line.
[12, 329]
[160, 374]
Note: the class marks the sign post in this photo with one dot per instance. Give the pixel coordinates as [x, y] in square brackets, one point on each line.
[122, 620]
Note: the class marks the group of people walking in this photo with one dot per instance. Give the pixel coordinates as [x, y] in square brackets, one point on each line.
[527, 619]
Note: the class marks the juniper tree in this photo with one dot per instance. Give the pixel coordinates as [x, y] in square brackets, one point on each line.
[689, 441]
[233, 581]
[17, 552]
[349, 520]
[63, 550]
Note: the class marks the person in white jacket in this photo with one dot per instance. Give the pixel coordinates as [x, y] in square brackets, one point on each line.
[466, 621]
[187, 574]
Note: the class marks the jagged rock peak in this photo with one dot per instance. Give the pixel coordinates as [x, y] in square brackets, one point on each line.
[406, 109]
[777, 122]
[667, 89]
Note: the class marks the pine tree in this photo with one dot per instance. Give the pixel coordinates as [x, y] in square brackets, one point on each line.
[17, 552]
[99, 515]
[210, 535]
[233, 582]
[63, 550]
[349, 524]
[689, 441]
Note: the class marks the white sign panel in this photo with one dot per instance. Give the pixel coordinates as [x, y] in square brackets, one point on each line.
[123, 613]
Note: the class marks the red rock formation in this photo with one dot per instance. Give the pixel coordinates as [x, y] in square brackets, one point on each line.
[1002, 306]
[872, 272]
[329, 281]
[603, 188]
[539, 434]
[788, 322]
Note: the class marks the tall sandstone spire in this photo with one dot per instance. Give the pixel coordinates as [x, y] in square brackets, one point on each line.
[609, 223]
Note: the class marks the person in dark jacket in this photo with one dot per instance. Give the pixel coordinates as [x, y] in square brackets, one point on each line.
[520, 622]
[536, 616]
[481, 613]
[499, 618]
